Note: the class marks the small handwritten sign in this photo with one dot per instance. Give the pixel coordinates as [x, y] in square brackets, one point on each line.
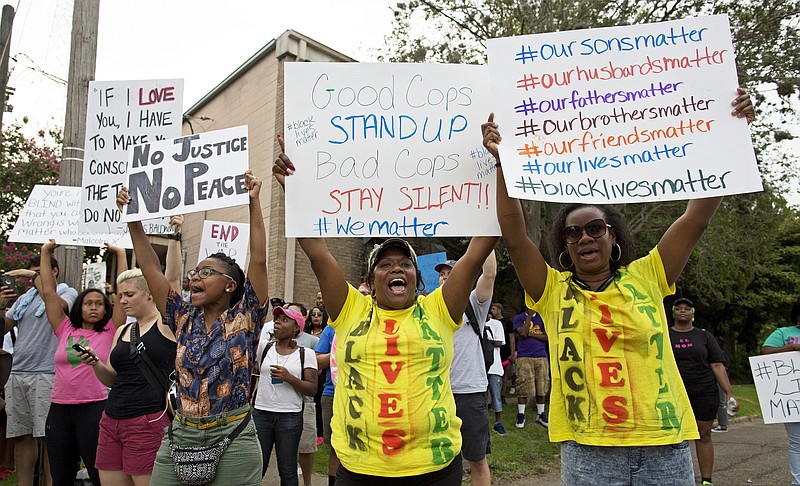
[777, 380]
[120, 115]
[187, 174]
[387, 150]
[232, 239]
[54, 212]
[621, 114]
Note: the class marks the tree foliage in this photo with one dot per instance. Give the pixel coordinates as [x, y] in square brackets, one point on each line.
[26, 161]
[745, 272]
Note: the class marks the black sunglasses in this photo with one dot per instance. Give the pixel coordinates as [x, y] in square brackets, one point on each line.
[316, 314]
[594, 229]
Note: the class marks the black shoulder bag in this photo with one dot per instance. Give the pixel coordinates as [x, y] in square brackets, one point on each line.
[486, 345]
[156, 379]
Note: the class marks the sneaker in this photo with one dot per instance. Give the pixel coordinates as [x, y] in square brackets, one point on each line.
[706, 483]
[498, 427]
[542, 419]
[719, 428]
[520, 420]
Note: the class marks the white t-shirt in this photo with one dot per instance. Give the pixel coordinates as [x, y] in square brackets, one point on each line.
[282, 397]
[496, 334]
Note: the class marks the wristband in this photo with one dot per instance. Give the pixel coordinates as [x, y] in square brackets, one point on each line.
[174, 236]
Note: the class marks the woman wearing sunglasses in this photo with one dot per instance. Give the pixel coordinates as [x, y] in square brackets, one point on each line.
[394, 419]
[317, 321]
[617, 396]
[217, 336]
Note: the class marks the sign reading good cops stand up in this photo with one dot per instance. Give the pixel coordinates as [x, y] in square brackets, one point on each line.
[621, 114]
[187, 174]
[387, 150]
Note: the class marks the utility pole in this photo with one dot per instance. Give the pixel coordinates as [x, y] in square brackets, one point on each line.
[82, 62]
[5, 51]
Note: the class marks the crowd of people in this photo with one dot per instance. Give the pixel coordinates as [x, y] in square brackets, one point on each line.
[250, 374]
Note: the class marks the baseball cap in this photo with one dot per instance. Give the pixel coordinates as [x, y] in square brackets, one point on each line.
[292, 314]
[277, 302]
[448, 263]
[390, 243]
[683, 300]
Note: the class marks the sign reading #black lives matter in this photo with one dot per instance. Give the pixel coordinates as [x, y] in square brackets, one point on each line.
[187, 174]
[621, 114]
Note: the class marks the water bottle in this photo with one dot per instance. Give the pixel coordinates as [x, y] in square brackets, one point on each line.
[731, 406]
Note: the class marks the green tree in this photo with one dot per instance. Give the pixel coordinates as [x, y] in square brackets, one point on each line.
[26, 161]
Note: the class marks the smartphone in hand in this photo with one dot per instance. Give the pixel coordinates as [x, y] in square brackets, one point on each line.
[8, 281]
[79, 348]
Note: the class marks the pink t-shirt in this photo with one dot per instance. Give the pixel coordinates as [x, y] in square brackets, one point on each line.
[76, 382]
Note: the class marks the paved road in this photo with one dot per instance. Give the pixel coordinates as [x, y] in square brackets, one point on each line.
[750, 453]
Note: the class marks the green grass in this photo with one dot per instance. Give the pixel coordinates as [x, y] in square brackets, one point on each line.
[748, 400]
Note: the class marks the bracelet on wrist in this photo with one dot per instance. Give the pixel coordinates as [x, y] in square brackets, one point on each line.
[175, 236]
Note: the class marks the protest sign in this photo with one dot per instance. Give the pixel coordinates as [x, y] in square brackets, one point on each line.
[621, 114]
[777, 380]
[94, 276]
[387, 150]
[54, 212]
[427, 264]
[232, 239]
[121, 114]
[187, 174]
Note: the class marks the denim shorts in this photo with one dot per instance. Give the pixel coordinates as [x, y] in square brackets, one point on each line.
[495, 384]
[631, 465]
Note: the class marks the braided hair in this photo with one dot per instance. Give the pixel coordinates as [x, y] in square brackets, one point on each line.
[234, 270]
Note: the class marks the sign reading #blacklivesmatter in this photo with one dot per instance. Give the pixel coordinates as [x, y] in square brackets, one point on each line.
[121, 115]
[622, 114]
[777, 380]
[387, 150]
[187, 174]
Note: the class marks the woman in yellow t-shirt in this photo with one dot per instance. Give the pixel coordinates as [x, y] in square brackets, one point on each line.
[394, 420]
[616, 396]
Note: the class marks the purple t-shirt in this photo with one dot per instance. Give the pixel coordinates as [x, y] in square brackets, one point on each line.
[530, 347]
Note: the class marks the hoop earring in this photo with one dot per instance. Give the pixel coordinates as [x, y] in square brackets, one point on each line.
[560, 256]
[619, 252]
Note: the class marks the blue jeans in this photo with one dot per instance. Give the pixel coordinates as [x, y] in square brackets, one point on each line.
[283, 430]
[495, 386]
[793, 433]
[618, 466]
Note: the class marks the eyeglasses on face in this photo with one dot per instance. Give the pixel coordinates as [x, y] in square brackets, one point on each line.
[594, 229]
[205, 272]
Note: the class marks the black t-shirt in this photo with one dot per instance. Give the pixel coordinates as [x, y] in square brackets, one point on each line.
[694, 352]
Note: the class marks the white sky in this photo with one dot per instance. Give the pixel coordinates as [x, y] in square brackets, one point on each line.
[200, 41]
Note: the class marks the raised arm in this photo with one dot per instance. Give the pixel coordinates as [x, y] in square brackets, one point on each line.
[173, 270]
[484, 288]
[680, 239]
[257, 268]
[54, 305]
[528, 261]
[146, 257]
[327, 270]
[118, 316]
[456, 290]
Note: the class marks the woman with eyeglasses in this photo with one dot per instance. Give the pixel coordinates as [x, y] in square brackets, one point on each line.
[616, 396]
[217, 336]
[394, 419]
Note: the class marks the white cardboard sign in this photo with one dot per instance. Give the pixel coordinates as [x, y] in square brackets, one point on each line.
[777, 380]
[187, 174]
[621, 114]
[232, 239]
[54, 212]
[387, 150]
[120, 115]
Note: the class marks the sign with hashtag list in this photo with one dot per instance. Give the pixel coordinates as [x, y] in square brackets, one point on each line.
[388, 150]
[777, 380]
[622, 114]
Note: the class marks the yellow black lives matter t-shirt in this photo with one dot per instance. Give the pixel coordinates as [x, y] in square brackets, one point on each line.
[393, 410]
[614, 377]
